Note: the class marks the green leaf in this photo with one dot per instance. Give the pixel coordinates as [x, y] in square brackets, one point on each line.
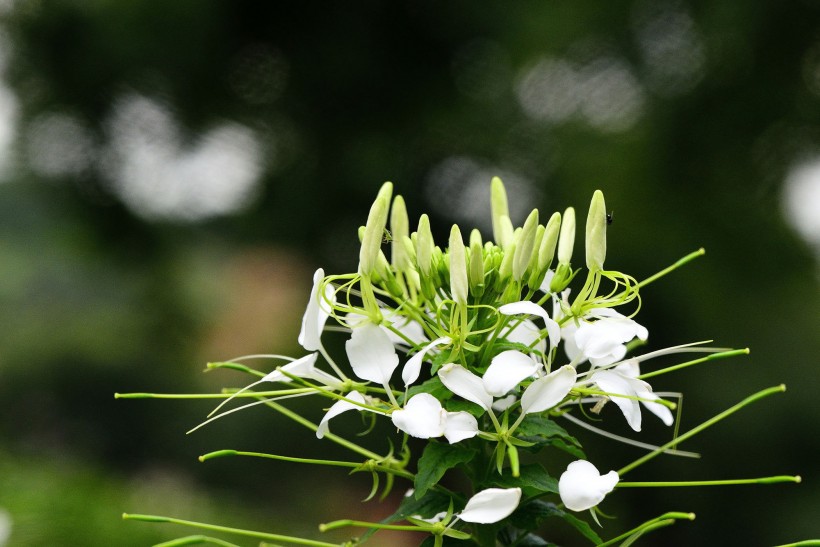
[433, 386]
[533, 481]
[459, 405]
[426, 507]
[543, 432]
[530, 514]
[436, 460]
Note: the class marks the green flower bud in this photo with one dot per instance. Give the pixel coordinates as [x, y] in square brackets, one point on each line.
[374, 230]
[400, 228]
[567, 239]
[524, 246]
[596, 232]
[458, 267]
[499, 209]
[476, 264]
[424, 246]
[547, 249]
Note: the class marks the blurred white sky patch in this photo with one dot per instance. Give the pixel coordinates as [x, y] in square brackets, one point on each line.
[604, 93]
[801, 201]
[458, 188]
[161, 178]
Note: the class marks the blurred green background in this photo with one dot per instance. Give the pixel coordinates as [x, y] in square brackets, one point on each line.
[172, 172]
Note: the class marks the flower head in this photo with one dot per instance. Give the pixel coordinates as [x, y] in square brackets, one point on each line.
[582, 487]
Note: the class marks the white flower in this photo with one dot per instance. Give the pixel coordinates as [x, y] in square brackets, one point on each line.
[304, 367]
[491, 505]
[582, 487]
[423, 417]
[371, 354]
[316, 314]
[547, 392]
[465, 384]
[531, 308]
[337, 408]
[603, 341]
[410, 328]
[506, 371]
[623, 380]
[527, 333]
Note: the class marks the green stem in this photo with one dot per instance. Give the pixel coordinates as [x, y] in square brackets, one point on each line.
[663, 520]
[238, 531]
[236, 366]
[804, 543]
[328, 435]
[336, 524]
[675, 266]
[194, 540]
[763, 480]
[708, 423]
[721, 355]
[212, 395]
[585, 391]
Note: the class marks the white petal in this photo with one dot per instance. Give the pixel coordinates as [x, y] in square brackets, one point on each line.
[408, 327]
[491, 505]
[337, 408]
[412, 368]
[500, 405]
[582, 487]
[612, 382]
[304, 367]
[548, 391]
[421, 417]
[316, 314]
[506, 371]
[459, 426]
[371, 354]
[531, 308]
[644, 391]
[465, 384]
[526, 333]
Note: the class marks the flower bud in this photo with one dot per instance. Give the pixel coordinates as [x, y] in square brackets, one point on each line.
[547, 249]
[400, 228]
[596, 232]
[374, 229]
[524, 246]
[424, 246]
[499, 209]
[476, 266]
[458, 267]
[567, 239]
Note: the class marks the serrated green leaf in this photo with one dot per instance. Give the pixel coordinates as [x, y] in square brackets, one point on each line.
[533, 480]
[436, 459]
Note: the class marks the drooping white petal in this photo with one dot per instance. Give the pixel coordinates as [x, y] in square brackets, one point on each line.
[304, 367]
[491, 505]
[421, 417]
[548, 391]
[582, 487]
[337, 408]
[316, 314]
[465, 384]
[631, 369]
[604, 341]
[506, 371]
[371, 354]
[618, 384]
[459, 426]
[412, 368]
[410, 328]
[531, 308]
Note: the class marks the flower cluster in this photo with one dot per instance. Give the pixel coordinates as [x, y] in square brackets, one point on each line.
[478, 348]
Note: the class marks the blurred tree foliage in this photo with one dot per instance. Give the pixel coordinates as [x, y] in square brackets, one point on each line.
[688, 115]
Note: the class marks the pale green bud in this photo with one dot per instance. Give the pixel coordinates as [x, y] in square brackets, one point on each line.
[476, 266]
[596, 232]
[567, 239]
[458, 267]
[505, 269]
[374, 230]
[400, 228]
[525, 245]
[499, 209]
[506, 233]
[547, 250]
[424, 246]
